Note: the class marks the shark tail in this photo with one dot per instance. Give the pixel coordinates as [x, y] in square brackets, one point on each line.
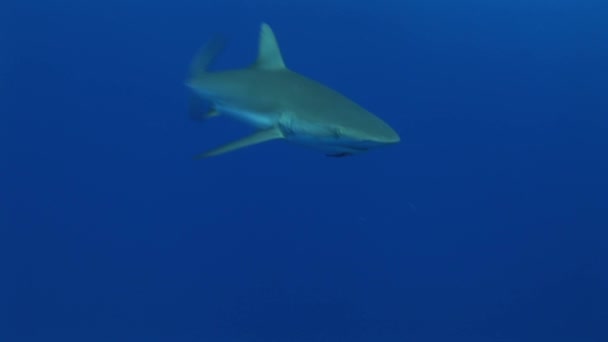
[198, 109]
[205, 57]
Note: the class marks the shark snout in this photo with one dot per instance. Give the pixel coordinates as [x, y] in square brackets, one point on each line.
[362, 141]
[374, 130]
[382, 135]
[388, 137]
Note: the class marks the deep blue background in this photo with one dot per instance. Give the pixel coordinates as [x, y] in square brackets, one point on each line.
[487, 223]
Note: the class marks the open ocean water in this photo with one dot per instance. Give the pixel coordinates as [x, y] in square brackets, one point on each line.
[487, 222]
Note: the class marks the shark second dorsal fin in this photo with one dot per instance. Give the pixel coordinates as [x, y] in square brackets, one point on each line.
[269, 53]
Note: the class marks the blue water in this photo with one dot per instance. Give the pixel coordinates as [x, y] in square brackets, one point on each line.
[486, 223]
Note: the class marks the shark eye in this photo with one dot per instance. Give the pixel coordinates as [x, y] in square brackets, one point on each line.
[338, 133]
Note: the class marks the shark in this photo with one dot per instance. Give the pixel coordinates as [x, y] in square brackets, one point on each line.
[281, 104]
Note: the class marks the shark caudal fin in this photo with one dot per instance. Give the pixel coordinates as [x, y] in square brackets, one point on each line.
[198, 109]
[205, 56]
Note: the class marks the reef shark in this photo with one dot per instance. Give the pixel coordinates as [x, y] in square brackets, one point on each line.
[282, 104]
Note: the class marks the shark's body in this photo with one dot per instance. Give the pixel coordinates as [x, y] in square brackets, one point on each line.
[282, 104]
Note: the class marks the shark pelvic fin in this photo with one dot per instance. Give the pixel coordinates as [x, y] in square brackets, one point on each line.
[253, 139]
[199, 110]
[203, 116]
[269, 53]
[211, 113]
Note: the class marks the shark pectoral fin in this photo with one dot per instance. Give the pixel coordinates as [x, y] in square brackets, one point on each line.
[256, 138]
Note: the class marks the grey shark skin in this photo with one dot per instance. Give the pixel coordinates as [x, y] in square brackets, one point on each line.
[282, 104]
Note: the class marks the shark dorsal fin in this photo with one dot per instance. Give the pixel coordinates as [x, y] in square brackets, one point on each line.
[269, 54]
